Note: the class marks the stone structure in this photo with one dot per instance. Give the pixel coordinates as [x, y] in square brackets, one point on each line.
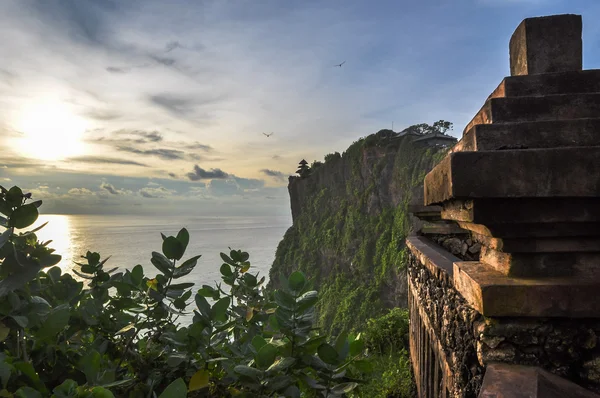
[518, 317]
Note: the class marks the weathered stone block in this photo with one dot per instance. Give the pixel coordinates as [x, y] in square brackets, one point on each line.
[530, 109]
[546, 45]
[494, 294]
[582, 81]
[530, 135]
[516, 381]
[542, 245]
[542, 264]
[533, 230]
[523, 211]
[528, 173]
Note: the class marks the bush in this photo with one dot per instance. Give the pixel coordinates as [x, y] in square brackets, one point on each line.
[388, 333]
[108, 332]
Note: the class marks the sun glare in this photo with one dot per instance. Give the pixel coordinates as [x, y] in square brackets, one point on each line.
[50, 131]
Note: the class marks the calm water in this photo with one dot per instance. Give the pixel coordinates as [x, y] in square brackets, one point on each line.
[130, 240]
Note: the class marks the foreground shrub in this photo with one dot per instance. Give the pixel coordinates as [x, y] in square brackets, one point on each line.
[116, 333]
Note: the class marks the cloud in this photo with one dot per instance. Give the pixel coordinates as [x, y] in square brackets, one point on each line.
[163, 153]
[146, 136]
[197, 145]
[104, 160]
[166, 61]
[172, 175]
[80, 192]
[102, 115]
[278, 175]
[155, 192]
[174, 104]
[276, 157]
[110, 188]
[172, 45]
[115, 69]
[201, 174]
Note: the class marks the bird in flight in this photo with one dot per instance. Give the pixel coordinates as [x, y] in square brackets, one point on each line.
[340, 65]
[267, 135]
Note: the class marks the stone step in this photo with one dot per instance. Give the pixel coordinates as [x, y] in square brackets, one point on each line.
[534, 230]
[540, 245]
[492, 293]
[530, 135]
[526, 173]
[573, 82]
[518, 211]
[442, 228]
[527, 265]
[529, 109]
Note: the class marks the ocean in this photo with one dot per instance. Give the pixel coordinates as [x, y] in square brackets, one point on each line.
[130, 240]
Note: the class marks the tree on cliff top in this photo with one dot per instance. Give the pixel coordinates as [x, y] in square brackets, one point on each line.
[303, 169]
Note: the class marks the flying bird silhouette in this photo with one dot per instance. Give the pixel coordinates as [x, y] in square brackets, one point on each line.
[267, 135]
[340, 65]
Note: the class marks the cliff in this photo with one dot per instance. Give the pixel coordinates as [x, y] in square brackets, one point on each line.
[350, 220]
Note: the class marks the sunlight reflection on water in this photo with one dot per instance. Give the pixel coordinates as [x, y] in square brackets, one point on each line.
[58, 231]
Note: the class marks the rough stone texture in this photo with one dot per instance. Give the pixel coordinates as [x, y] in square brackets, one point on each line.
[582, 81]
[546, 45]
[542, 263]
[523, 211]
[540, 245]
[452, 321]
[528, 173]
[516, 381]
[534, 230]
[530, 135]
[532, 109]
[492, 293]
[567, 347]
[461, 245]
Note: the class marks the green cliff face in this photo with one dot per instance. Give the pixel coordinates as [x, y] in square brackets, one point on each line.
[350, 221]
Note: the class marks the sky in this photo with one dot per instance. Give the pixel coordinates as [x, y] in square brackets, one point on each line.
[159, 107]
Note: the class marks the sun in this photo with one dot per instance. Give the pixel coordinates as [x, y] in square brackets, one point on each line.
[49, 131]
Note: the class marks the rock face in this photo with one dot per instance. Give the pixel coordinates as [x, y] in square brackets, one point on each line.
[350, 220]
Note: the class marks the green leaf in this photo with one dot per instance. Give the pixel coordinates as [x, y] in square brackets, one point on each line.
[126, 328]
[226, 270]
[21, 320]
[342, 346]
[307, 300]
[219, 309]
[4, 331]
[68, 389]
[5, 236]
[176, 359]
[247, 371]
[137, 274]
[56, 321]
[183, 237]
[227, 259]
[258, 342]
[281, 364]
[328, 354]
[363, 365]
[203, 305]
[90, 366]
[24, 216]
[297, 281]
[357, 347]
[186, 267]
[27, 392]
[344, 388]
[177, 389]
[162, 263]
[5, 372]
[27, 369]
[172, 248]
[14, 197]
[266, 356]
[101, 392]
[199, 380]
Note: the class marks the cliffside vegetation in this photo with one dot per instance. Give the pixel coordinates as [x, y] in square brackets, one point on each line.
[101, 333]
[350, 221]
[348, 233]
